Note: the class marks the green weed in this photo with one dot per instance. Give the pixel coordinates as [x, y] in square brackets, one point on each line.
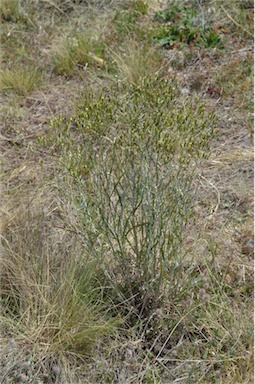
[119, 238]
[183, 25]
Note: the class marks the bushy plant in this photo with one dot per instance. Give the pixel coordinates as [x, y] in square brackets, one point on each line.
[133, 153]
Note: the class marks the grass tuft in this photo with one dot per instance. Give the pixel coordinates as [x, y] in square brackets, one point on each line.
[51, 303]
[10, 10]
[79, 51]
[21, 81]
[133, 62]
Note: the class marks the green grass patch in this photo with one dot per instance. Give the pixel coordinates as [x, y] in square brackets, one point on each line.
[17, 44]
[235, 18]
[125, 23]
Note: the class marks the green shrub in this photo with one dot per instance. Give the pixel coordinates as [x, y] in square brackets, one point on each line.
[133, 153]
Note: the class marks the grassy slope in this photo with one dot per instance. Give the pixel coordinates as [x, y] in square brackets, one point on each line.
[39, 222]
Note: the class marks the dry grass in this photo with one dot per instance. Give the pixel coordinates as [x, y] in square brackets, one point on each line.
[133, 62]
[50, 303]
[21, 81]
[78, 50]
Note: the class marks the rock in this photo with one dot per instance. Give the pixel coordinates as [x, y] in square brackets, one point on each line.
[22, 378]
[56, 369]
[248, 248]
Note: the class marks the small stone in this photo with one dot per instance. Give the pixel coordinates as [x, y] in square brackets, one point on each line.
[174, 353]
[55, 369]
[12, 345]
[248, 248]
[25, 366]
[188, 303]
[129, 353]
[205, 296]
[22, 378]
[159, 313]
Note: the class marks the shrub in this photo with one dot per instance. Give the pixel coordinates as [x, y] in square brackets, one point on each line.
[133, 153]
